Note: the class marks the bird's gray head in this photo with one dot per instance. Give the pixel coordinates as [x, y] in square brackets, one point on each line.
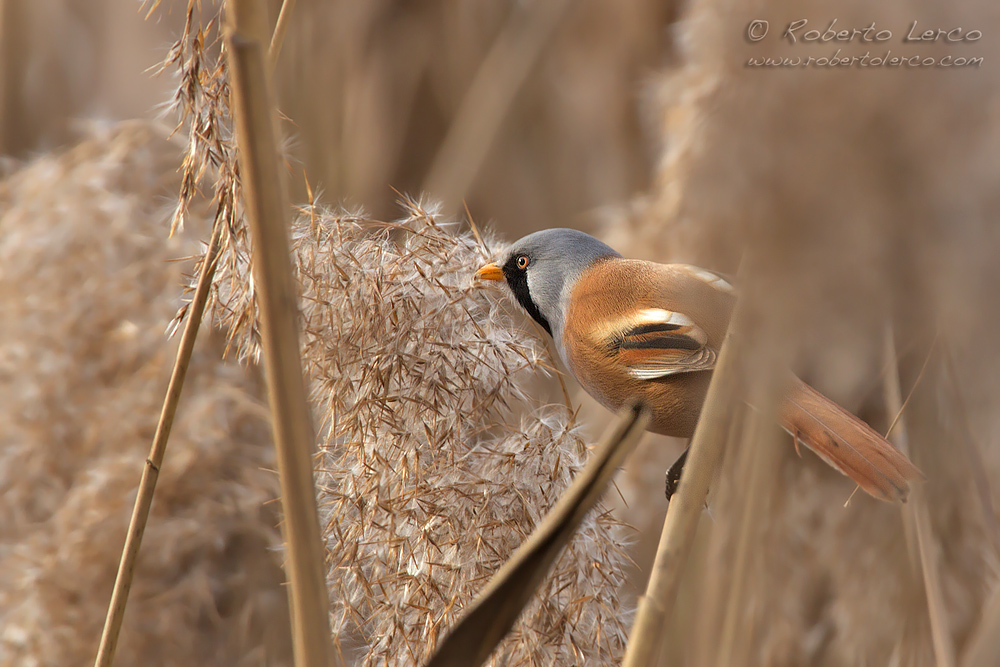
[540, 269]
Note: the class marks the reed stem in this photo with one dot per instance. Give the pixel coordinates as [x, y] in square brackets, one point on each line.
[684, 511]
[151, 469]
[277, 303]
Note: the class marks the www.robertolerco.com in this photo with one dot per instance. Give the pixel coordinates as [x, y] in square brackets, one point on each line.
[801, 32]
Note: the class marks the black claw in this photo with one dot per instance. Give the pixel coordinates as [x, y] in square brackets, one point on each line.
[674, 474]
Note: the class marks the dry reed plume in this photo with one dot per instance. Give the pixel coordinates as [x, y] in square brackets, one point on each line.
[436, 461]
[87, 290]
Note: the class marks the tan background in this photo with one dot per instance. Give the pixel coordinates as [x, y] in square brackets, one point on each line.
[869, 196]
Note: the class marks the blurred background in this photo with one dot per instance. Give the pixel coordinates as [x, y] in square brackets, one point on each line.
[371, 90]
[869, 194]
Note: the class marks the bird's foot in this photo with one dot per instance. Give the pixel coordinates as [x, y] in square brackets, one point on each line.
[674, 474]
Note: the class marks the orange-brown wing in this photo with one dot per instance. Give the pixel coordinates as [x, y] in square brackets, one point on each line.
[654, 343]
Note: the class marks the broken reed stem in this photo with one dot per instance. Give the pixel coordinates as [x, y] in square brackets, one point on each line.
[916, 513]
[489, 97]
[278, 38]
[291, 420]
[151, 470]
[759, 457]
[496, 608]
[684, 511]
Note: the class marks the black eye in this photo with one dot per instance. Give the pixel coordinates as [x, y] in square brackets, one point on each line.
[522, 262]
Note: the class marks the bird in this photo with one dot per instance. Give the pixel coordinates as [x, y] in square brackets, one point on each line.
[629, 329]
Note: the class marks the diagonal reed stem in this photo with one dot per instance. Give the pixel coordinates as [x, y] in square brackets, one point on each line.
[497, 607]
[684, 511]
[280, 30]
[151, 470]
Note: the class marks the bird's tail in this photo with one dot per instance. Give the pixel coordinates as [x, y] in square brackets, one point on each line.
[847, 443]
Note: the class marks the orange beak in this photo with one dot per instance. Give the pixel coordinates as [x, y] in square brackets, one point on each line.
[490, 272]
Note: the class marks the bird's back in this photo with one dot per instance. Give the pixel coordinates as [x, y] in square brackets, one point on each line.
[606, 300]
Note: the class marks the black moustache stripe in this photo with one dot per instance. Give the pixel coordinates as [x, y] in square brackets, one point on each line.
[518, 281]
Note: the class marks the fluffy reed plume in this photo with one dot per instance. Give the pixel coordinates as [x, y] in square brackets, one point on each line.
[436, 462]
[423, 397]
[869, 197]
[87, 289]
